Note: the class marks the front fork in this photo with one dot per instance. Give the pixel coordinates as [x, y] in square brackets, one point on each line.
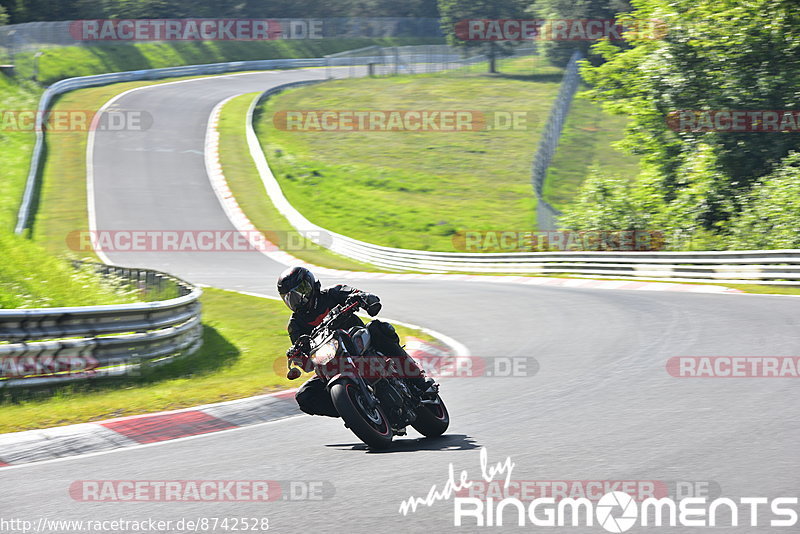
[350, 373]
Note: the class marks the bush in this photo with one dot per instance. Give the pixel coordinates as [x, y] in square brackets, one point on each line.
[770, 217]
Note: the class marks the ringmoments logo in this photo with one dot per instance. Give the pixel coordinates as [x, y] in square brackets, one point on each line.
[615, 511]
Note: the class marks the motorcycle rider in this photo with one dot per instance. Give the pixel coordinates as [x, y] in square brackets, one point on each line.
[300, 291]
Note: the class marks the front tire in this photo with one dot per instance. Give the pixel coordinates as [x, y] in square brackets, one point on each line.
[369, 424]
[432, 419]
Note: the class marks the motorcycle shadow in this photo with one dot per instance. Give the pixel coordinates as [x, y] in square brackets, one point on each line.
[447, 442]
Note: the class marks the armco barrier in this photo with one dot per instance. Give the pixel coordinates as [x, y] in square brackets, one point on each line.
[52, 345]
[44, 346]
[71, 84]
[778, 267]
[768, 267]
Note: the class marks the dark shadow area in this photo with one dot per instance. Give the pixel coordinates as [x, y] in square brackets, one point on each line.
[554, 77]
[117, 58]
[36, 194]
[447, 442]
[217, 352]
[101, 57]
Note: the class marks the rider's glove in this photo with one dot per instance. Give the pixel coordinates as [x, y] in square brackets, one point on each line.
[368, 301]
[372, 304]
[300, 348]
[298, 358]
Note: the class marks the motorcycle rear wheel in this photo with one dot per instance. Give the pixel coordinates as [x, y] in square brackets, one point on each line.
[432, 419]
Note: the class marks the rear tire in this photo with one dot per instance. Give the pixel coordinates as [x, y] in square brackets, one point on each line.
[432, 419]
[370, 425]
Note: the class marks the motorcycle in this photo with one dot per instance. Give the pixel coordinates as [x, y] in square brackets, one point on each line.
[367, 388]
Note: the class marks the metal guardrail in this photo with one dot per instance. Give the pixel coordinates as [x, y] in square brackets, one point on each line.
[414, 59]
[776, 267]
[441, 58]
[53, 345]
[71, 84]
[546, 215]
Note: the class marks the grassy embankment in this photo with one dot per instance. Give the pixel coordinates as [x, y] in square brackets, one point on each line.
[415, 189]
[586, 146]
[69, 61]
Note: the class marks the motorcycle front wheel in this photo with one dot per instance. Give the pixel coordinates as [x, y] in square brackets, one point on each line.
[369, 424]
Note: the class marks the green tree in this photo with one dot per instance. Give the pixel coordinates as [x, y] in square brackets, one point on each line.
[3, 15]
[729, 55]
[391, 8]
[454, 11]
[559, 52]
[770, 217]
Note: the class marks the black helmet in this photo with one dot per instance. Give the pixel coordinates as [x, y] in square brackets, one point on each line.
[298, 288]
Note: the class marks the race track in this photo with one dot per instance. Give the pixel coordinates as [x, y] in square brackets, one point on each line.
[601, 406]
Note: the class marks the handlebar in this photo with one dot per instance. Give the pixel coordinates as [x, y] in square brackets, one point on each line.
[334, 314]
[295, 373]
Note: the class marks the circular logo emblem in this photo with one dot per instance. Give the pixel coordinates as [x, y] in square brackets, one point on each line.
[624, 519]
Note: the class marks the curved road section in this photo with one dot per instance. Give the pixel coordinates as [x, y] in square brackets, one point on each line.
[597, 404]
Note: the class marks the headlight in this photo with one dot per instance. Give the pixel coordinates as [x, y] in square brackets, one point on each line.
[325, 353]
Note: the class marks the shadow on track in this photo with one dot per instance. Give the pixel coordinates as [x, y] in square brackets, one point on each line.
[448, 442]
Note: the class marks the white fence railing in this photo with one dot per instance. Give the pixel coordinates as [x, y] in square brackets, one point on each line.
[440, 59]
[777, 267]
[771, 267]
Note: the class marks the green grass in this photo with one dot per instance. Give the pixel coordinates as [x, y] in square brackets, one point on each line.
[17, 146]
[413, 189]
[31, 278]
[29, 275]
[65, 62]
[245, 342]
[759, 289]
[586, 145]
[762, 289]
[245, 183]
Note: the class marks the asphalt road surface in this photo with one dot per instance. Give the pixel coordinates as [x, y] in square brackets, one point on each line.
[600, 406]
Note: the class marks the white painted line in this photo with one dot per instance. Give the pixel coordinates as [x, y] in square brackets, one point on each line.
[90, 145]
[146, 445]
